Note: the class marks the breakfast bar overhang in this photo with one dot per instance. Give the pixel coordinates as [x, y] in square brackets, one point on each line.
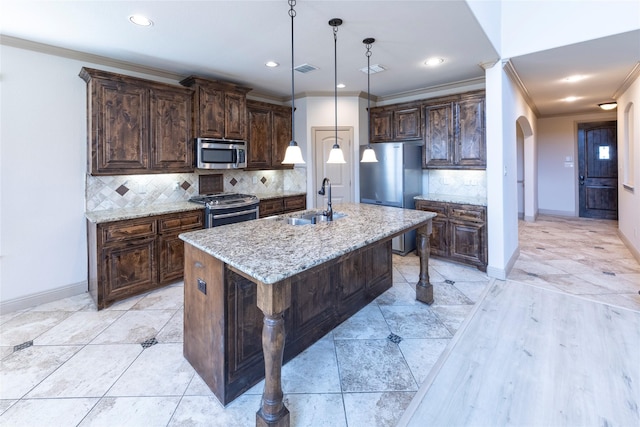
[302, 280]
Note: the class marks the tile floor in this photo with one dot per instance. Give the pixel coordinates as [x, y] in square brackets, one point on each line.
[65, 364]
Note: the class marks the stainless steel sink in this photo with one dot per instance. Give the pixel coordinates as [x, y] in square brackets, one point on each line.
[313, 218]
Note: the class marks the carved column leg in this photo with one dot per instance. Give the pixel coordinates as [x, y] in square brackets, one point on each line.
[273, 413]
[424, 289]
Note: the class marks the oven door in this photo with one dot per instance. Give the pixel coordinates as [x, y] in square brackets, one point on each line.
[215, 217]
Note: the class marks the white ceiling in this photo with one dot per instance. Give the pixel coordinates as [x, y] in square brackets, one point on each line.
[231, 40]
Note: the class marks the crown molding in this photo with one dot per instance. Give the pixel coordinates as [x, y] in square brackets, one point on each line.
[426, 91]
[515, 78]
[628, 81]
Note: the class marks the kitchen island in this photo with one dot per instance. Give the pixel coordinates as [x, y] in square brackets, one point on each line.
[266, 277]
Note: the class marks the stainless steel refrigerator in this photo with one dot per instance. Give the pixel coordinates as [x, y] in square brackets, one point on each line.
[393, 181]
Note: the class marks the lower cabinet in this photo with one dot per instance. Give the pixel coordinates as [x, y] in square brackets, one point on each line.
[459, 232]
[223, 324]
[130, 257]
[282, 205]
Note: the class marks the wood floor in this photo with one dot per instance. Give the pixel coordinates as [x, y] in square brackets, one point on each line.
[557, 344]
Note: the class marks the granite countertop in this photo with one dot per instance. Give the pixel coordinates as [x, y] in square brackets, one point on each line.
[450, 198]
[109, 215]
[270, 249]
[278, 194]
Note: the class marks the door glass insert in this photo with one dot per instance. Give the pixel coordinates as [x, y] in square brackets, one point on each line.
[603, 152]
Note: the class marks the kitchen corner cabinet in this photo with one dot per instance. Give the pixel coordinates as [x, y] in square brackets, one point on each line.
[219, 108]
[398, 122]
[137, 126]
[459, 232]
[281, 205]
[454, 130]
[269, 135]
[129, 257]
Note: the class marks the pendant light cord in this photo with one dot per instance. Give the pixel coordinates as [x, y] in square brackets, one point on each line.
[368, 95]
[292, 14]
[335, 74]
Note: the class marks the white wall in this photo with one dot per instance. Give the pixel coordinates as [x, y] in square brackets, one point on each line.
[42, 177]
[558, 184]
[629, 197]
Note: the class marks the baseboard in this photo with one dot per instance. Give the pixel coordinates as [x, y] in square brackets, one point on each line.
[629, 245]
[502, 273]
[43, 297]
[528, 218]
[556, 213]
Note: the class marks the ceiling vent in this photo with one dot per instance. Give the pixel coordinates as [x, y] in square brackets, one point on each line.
[377, 68]
[305, 68]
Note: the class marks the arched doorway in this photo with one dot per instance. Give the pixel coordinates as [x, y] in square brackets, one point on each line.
[526, 169]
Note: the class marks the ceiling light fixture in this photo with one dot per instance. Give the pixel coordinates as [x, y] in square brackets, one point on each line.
[574, 78]
[271, 64]
[341, 86]
[368, 155]
[432, 62]
[141, 20]
[293, 155]
[336, 155]
[608, 105]
[571, 98]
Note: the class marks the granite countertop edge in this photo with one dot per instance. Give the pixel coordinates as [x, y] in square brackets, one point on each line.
[453, 198]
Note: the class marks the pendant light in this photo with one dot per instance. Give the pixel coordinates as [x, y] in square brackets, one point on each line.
[293, 155]
[368, 155]
[336, 155]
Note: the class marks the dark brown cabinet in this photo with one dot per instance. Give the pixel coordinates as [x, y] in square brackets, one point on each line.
[454, 129]
[219, 108]
[459, 232]
[129, 257]
[398, 122]
[268, 136]
[281, 205]
[137, 126]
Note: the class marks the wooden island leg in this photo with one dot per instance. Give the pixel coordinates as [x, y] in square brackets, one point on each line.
[273, 300]
[424, 289]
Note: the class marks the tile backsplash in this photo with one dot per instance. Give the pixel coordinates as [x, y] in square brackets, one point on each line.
[472, 183]
[124, 191]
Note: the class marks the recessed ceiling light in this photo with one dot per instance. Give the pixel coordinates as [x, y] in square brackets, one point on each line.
[271, 64]
[432, 62]
[341, 86]
[574, 78]
[571, 98]
[141, 20]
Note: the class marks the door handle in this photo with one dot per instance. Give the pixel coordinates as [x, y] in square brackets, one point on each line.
[581, 179]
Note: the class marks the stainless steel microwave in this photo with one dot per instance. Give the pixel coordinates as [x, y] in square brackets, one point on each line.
[221, 153]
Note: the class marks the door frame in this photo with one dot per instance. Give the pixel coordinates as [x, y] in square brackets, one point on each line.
[314, 181]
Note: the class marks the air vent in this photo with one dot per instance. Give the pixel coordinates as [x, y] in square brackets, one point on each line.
[305, 68]
[377, 68]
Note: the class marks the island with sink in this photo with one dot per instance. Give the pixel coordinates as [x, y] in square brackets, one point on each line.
[258, 293]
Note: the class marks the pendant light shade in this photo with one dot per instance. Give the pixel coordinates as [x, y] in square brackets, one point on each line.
[293, 155]
[336, 155]
[368, 155]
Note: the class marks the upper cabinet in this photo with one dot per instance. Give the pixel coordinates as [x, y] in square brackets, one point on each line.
[399, 122]
[455, 132]
[269, 135]
[219, 108]
[137, 126]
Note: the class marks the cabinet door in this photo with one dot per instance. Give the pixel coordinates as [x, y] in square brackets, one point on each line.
[171, 143]
[381, 125]
[128, 269]
[471, 150]
[210, 112]
[438, 136]
[467, 242]
[259, 144]
[235, 115]
[281, 136]
[119, 128]
[407, 123]
[171, 247]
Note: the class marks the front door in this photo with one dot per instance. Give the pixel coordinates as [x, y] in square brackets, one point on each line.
[598, 170]
[338, 174]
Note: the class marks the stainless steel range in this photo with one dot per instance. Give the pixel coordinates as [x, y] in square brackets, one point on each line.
[227, 208]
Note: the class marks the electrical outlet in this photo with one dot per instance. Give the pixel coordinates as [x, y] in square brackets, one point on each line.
[202, 286]
[176, 185]
[255, 179]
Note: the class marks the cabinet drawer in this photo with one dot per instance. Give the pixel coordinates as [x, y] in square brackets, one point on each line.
[125, 230]
[295, 203]
[438, 208]
[183, 221]
[467, 213]
[271, 207]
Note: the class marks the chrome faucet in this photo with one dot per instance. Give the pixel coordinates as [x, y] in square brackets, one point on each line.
[329, 212]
